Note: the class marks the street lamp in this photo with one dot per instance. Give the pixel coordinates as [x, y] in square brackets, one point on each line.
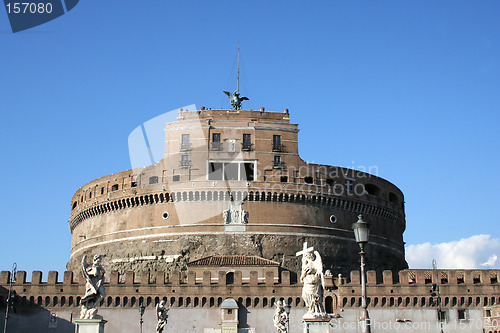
[361, 232]
[141, 312]
[10, 296]
[287, 311]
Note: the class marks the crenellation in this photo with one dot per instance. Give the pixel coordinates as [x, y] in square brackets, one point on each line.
[68, 278]
[145, 278]
[269, 278]
[114, 279]
[36, 277]
[4, 277]
[191, 278]
[175, 279]
[254, 278]
[52, 278]
[159, 278]
[238, 278]
[387, 278]
[355, 278]
[371, 278]
[20, 277]
[129, 278]
[285, 278]
[207, 278]
[404, 277]
[221, 278]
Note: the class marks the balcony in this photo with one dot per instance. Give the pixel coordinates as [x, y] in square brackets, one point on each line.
[278, 148]
[246, 146]
[185, 164]
[278, 165]
[185, 147]
[217, 146]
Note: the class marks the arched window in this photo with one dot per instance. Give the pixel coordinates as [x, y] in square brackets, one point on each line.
[329, 304]
[230, 278]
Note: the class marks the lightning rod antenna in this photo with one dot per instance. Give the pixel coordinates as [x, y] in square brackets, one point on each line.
[238, 78]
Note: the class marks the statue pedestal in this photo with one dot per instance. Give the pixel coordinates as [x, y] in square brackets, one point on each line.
[316, 325]
[89, 325]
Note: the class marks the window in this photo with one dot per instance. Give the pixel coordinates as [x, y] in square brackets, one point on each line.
[277, 143]
[236, 170]
[247, 172]
[308, 180]
[184, 161]
[215, 171]
[230, 280]
[350, 185]
[185, 139]
[114, 187]
[231, 171]
[153, 180]
[216, 144]
[487, 313]
[247, 142]
[284, 179]
[176, 178]
[462, 315]
[185, 144]
[277, 161]
[372, 189]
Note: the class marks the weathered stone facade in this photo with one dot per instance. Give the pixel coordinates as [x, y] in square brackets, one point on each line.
[221, 217]
[217, 159]
[194, 301]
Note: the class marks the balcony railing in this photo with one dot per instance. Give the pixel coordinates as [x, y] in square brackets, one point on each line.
[184, 164]
[246, 146]
[278, 147]
[217, 146]
[278, 165]
[185, 146]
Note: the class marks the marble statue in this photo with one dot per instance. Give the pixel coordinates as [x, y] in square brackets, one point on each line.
[235, 99]
[94, 287]
[161, 316]
[235, 214]
[313, 282]
[226, 216]
[280, 317]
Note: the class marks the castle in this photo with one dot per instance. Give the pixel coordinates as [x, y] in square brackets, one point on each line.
[221, 216]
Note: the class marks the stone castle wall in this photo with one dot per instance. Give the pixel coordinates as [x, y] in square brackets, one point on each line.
[175, 208]
[195, 299]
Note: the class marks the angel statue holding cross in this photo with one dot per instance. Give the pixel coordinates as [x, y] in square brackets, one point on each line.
[313, 282]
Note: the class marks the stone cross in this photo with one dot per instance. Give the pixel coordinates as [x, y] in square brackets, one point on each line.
[305, 250]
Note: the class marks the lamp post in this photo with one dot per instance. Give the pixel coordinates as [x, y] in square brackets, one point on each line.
[287, 311]
[141, 312]
[361, 233]
[12, 279]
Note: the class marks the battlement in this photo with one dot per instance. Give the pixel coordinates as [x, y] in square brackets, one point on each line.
[230, 114]
[405, 278]
[458, 288]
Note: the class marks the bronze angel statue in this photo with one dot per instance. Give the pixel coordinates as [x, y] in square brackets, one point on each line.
[94, 287]
[235, 99]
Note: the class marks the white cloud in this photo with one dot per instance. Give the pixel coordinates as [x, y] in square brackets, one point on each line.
[479, 251]
[491, 261]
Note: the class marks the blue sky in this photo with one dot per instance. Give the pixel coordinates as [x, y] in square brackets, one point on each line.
[411, 87]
